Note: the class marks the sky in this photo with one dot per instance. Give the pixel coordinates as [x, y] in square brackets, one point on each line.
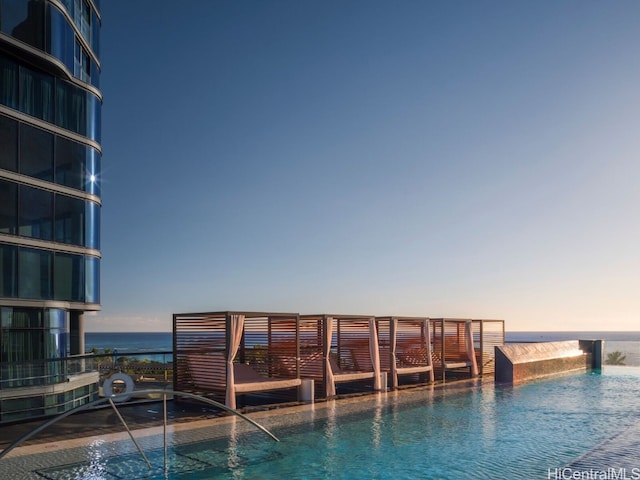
[473, 159]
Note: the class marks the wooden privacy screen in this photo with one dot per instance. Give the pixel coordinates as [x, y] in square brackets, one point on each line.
[405, 349]
[229, 353]
[222, 354]
[487, 335]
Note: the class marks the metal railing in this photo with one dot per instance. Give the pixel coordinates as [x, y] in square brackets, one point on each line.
[141, 366]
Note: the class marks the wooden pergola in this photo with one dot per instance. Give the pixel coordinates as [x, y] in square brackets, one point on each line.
[405, 348]
[337, 349]
[228, 353]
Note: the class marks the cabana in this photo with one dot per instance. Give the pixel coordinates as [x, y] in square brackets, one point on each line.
[405, 348]
[225, 354]
[487, 335]
[453, 346]
[339, 348]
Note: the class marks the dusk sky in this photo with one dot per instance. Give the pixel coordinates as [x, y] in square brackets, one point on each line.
[473, 159]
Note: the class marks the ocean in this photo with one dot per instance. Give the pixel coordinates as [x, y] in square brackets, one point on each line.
[558, 336]
[139, 342]
[129, 342]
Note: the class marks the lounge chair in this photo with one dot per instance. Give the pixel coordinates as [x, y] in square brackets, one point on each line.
[208, 373]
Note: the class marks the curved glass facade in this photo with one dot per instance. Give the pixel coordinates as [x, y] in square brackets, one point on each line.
[51, 99]
[69, 31]
[50, 174]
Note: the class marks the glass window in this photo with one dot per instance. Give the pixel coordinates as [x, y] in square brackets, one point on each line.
[55, 318]
[68, 277]
[92, 225]
[82, 17]
[86, 67]
[69, 220]
[34, 274]
[69, 6]
[95, 74]
[13, 14]
[21, 332]
[22, 341]
[36, 94]
[61, 37]
[92, 280]
[71, 107]
[92, 179]
[95, 34]
[8, 207]
[36, 152]
[77, 64]
[54, 347]
[25, 407]
[8, 271]
[22, 318]
[8, 141]
[94, 117]
[85, 21]
[9, 82]
[36, 213]
[69, 163]
[5, 317]
[24, 21]
[77, 11]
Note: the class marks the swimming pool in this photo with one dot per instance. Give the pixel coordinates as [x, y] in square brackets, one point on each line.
[435, 433]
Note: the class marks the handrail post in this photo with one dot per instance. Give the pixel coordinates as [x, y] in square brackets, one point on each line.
[130, 434]
[164, 431]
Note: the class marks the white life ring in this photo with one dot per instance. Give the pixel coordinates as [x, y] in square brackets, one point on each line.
[119, 377]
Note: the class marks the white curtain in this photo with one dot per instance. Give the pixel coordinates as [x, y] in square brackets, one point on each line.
[375, 353]
[426, 331]
[471, 352]
[393, 325]
[234, 334]
[329, 384]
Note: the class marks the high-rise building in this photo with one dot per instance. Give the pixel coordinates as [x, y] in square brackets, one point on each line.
[50, 108]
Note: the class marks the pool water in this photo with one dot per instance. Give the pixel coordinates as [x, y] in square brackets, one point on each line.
[486, 432]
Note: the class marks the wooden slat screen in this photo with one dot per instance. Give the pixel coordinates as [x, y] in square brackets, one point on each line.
[311, 362]
[487, 334]
[448, 339]
[352, 344]
[269, 346]
[199, 350]
[411, 349]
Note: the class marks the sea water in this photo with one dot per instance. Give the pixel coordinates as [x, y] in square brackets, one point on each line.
[628, 343]
[129, 342]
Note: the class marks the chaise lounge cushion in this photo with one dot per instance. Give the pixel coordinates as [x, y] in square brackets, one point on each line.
[248, 380]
